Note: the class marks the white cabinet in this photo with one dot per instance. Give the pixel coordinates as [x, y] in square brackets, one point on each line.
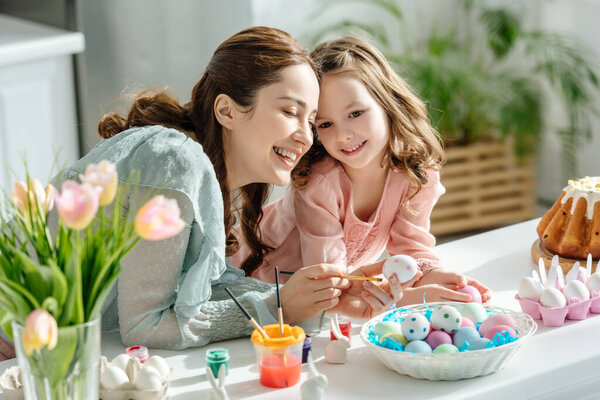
[38, 120]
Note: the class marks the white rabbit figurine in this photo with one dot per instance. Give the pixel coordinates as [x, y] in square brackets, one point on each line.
[312, 388]
[335, 352]
[218, 392]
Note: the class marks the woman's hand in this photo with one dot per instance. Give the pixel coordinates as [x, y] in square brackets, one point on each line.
[311, 290]
[365, 299]
[451, 280]
[7, 350]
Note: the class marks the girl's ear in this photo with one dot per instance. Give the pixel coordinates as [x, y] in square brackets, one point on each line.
[225, 110]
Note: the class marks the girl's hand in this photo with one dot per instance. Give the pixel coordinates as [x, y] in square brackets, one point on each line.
[442, 277]
[432, 293]
[486, 293]
[453, 280]
[311, 290]
[365, 299]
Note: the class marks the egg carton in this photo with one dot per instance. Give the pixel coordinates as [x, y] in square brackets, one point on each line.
[575, 309]
[128, 391]
[12, 384]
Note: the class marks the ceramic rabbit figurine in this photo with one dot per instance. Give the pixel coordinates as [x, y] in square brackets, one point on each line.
[312, 388]
[335, 352]
[218, 392]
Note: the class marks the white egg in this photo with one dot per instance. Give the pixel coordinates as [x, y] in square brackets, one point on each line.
[148, 378]
[552, 298]
[120, 361]
[160, 365]
[415, 327]
[114, 378]
[405, 267]
[446, 319]
[593, 282]
[576, 290]
[530, 289]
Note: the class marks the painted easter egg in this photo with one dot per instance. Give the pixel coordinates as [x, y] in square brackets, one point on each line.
[405, 267]
[465, 334]
[446, 348]
[436, 338]
[494, 320]
[471, 291]
[418, 346]
[576, 290]
[474, 311]
[446, 319]
[415, 327]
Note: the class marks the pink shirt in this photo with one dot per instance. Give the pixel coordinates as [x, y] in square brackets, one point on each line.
[317, 224]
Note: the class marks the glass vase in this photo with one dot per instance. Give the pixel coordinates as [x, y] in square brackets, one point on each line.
[69, 371]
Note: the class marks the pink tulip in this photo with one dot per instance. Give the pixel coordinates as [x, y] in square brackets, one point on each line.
[34, 197]
[77, 204]
[41, 331]
[159, 219]
[103, 175]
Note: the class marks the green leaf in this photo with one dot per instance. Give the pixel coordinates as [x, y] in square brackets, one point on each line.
[6, 319]
[502, 26]
[59, 284]
[38, 278]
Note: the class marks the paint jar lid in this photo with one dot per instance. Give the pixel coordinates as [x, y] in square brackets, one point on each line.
[217, 354]
[140, 352]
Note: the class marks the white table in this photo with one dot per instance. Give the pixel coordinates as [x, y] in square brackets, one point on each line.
[556, 363]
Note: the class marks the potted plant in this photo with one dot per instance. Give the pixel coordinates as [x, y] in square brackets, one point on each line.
[53, 282]
[485, 78]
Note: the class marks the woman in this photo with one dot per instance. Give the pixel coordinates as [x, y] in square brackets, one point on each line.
[249, 121]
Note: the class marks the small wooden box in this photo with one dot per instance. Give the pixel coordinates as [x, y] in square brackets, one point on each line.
[486, 185]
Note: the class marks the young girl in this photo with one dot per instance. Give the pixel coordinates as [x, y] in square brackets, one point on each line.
[368, 183]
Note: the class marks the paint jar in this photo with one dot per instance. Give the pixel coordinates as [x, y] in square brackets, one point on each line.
[279, 358]
[215, 357]
[139, 352]
[345, 328]
[306, 347]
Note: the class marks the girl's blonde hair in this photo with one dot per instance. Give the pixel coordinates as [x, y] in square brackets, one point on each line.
[413, 145]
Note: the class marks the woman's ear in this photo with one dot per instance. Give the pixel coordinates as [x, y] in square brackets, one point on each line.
[225, 110]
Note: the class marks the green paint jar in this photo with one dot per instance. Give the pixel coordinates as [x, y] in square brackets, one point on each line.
[215, 357]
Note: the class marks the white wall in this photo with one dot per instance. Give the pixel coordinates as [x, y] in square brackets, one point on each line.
[134, 44]
[579, 19]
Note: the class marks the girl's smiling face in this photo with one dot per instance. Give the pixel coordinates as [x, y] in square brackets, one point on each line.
[351, 124]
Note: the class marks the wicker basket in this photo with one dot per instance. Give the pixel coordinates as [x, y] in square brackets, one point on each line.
[451, 366]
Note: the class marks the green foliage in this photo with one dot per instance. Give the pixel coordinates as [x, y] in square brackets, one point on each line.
[485, 75]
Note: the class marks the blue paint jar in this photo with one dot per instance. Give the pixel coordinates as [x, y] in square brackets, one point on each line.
[306, 346]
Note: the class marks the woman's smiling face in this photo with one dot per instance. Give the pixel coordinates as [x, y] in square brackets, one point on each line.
[351, 124]
[266, 142]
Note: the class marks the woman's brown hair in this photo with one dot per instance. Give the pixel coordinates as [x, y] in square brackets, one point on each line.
[239, 67]
[413, 144]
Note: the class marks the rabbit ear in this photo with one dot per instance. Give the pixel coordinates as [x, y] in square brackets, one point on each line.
[542, 269]
[335, 328]
[573, 272]
[222, 374]
[589, 264]
[211, 378]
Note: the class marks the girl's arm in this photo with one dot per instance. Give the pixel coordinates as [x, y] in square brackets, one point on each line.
[317, 214]
[410, 230]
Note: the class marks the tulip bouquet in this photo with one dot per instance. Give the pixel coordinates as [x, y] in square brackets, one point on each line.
[56, 278]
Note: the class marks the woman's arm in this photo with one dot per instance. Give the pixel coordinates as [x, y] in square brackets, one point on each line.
[150, 285]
